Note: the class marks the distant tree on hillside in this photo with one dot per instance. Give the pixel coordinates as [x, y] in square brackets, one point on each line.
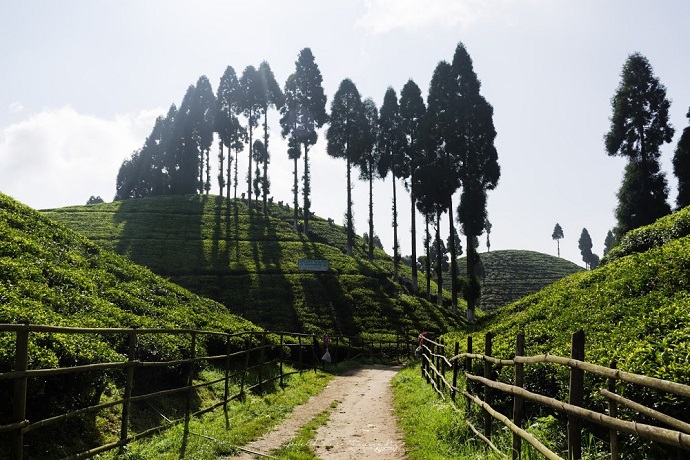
[346, 138]
[412, 111]
[303, 113]
[272, 97]
[558, 236]
[261, 157]
[184, 151]
[608, 242]
[230, 132]
[201, 126]
[390, 144]
[368, 163]
[251, 104]
[590, 259]
[147, 171]
[681, 167]
[639, 126]
[94, 200]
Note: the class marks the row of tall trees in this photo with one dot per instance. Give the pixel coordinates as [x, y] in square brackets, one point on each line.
[436, 149]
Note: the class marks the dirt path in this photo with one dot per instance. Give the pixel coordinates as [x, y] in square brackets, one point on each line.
[362, 425]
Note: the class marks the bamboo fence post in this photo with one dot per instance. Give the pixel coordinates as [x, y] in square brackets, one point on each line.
[129, 384]
[226, 390]
[576, 396]
[468, 368]
[487, 389]
[455, 371]
[190, 380]
[248, 345]
[613, 412]
[442, 362]
[262, 359]
[517, 400]
[280, 360]
[21, 363]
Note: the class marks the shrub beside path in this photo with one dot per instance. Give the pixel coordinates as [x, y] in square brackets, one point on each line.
[362, 424]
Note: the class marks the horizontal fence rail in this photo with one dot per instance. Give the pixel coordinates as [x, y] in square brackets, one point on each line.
[435, 363]
[245, 352]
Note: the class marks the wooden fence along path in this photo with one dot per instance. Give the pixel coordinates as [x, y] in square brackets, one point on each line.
[435, 365]
[237, 363]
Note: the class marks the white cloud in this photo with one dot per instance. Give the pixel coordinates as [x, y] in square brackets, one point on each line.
[16, 107]
[382, 16]
[59, 156]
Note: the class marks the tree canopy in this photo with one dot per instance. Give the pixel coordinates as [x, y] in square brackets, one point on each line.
[681, 167]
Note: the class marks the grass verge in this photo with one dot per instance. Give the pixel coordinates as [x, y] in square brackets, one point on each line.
[211, 437]
[432, 429]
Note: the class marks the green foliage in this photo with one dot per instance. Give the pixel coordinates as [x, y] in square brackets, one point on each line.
[635, 309]
[644, 238]
[52, 275]
[681, 167]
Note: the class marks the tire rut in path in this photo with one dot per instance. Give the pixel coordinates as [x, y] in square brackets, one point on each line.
[362, 425]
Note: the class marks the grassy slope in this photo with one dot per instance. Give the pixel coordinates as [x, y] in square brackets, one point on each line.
[511, 274]
[249, 262]
[635, 308]
[51, 275]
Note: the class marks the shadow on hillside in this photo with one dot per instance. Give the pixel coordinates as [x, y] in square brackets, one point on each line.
[163, 234]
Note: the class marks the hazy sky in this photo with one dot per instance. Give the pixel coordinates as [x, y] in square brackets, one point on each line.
[82, 82]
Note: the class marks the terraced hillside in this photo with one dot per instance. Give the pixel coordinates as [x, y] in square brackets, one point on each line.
[249, 262]
[511, 274]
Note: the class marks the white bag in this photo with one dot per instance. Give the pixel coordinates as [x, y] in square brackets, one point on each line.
[326, 357]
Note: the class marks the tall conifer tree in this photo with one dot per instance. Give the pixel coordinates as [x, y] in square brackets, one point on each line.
[412, 110]
[390, 140]
[346, 138]
[304, 112]
[639, 126]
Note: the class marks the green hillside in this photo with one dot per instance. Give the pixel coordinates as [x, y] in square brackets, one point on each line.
[511, 274]
[51, 275]
[635, 308]
[249, 262]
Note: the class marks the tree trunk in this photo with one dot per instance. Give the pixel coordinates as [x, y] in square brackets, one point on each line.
[396, 246]
[221, 158]
[207, 184]
[350, 239]
[237, 156]
[453, 260]
[265, 182]
[439, 260]
[294, 191]
[471, 278]
[427, 262]
[370, 249]
[249, 172]
[229, 172]
[413, 233]
[307, 190]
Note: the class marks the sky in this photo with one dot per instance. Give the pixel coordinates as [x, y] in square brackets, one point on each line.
[83, 81]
